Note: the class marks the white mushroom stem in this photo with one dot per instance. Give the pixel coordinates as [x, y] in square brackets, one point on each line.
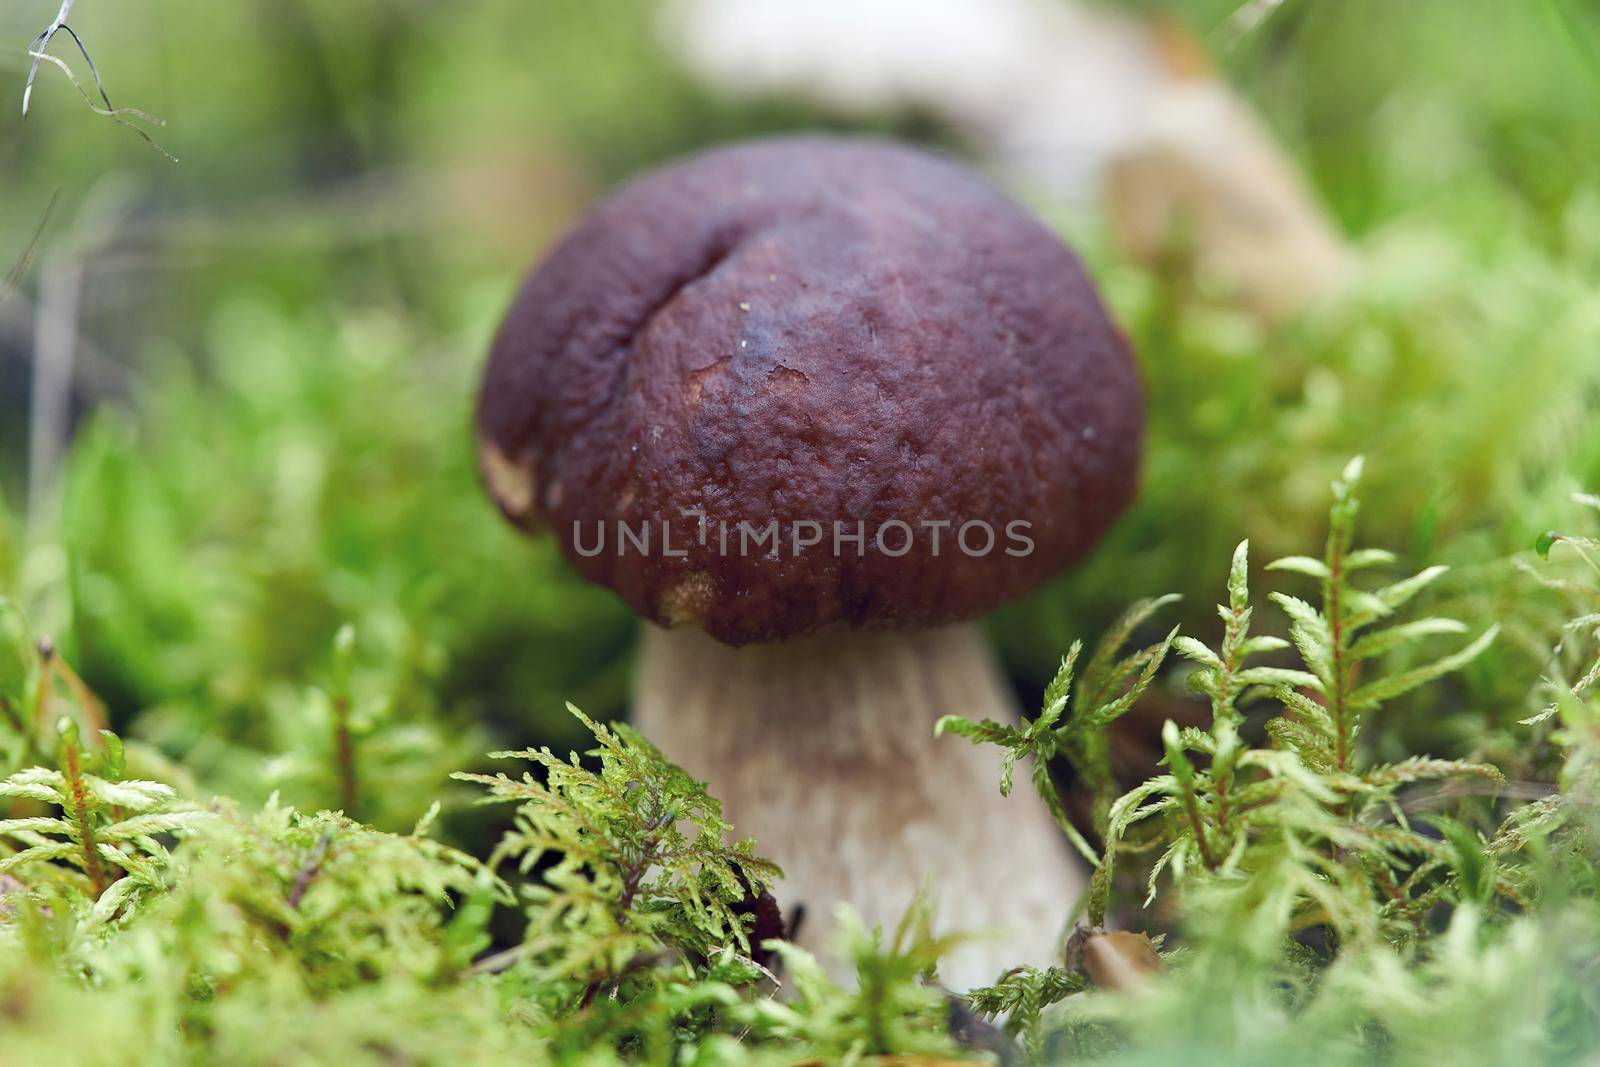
[823, 749]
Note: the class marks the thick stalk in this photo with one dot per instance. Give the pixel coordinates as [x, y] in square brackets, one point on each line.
[823, 749]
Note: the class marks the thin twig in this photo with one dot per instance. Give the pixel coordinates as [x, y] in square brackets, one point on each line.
[115, 114]
[107, 111]
[40, 43]
[19, 270]
[38, 51]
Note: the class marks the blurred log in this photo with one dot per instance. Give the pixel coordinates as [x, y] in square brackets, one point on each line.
[1207, 180]
[1071, 103]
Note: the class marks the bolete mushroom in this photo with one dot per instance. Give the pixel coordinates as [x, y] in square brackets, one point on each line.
[809, 406]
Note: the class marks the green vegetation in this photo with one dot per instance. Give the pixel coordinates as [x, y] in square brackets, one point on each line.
[1300, 867]
[1382, 910]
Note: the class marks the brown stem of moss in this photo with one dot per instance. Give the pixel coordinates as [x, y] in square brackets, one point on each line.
[81, 819]
[1191, 808]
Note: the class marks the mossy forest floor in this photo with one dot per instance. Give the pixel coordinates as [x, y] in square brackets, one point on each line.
[266, 588]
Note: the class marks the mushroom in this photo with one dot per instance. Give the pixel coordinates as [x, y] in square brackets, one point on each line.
[810, 406]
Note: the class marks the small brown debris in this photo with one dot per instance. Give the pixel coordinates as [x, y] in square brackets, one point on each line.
[1120, 959]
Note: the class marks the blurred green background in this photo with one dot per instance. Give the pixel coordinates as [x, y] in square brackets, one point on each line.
[277, 337]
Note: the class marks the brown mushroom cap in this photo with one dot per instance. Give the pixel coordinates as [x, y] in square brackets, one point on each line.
[815, 330]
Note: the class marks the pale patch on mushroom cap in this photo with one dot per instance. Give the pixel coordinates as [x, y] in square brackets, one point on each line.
[686, 602]
[511, 484]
